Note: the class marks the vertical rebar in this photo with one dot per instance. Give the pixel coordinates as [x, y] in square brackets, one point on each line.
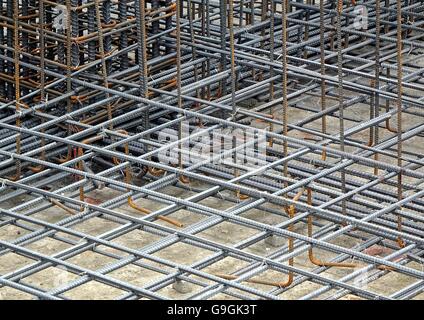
[155, 29]
[193, 49]
[271, 69]
[91, 28]
[17, 53]
[168, 24]
[340, 96]
[284, 83]
[399, 111]
[322, 67]
[75, 59]
[140, 11]
[107, 39]
[2, 64]
[123, 37]
[179, 98]
[377, 77]
[10, 54]
[25, 44]
[41, 18]
[104, 66]
[223, 26]
[61, 55]
[233, 81]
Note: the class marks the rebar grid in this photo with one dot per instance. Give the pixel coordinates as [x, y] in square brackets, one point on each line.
[95, 94]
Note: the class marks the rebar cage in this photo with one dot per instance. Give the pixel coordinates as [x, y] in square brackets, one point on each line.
[211, 149]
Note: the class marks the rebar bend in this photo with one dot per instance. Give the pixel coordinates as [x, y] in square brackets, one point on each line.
[80, 165]
[62, 206]
[311, 256]
[131, 203]
[291, 211]
[155, 172]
